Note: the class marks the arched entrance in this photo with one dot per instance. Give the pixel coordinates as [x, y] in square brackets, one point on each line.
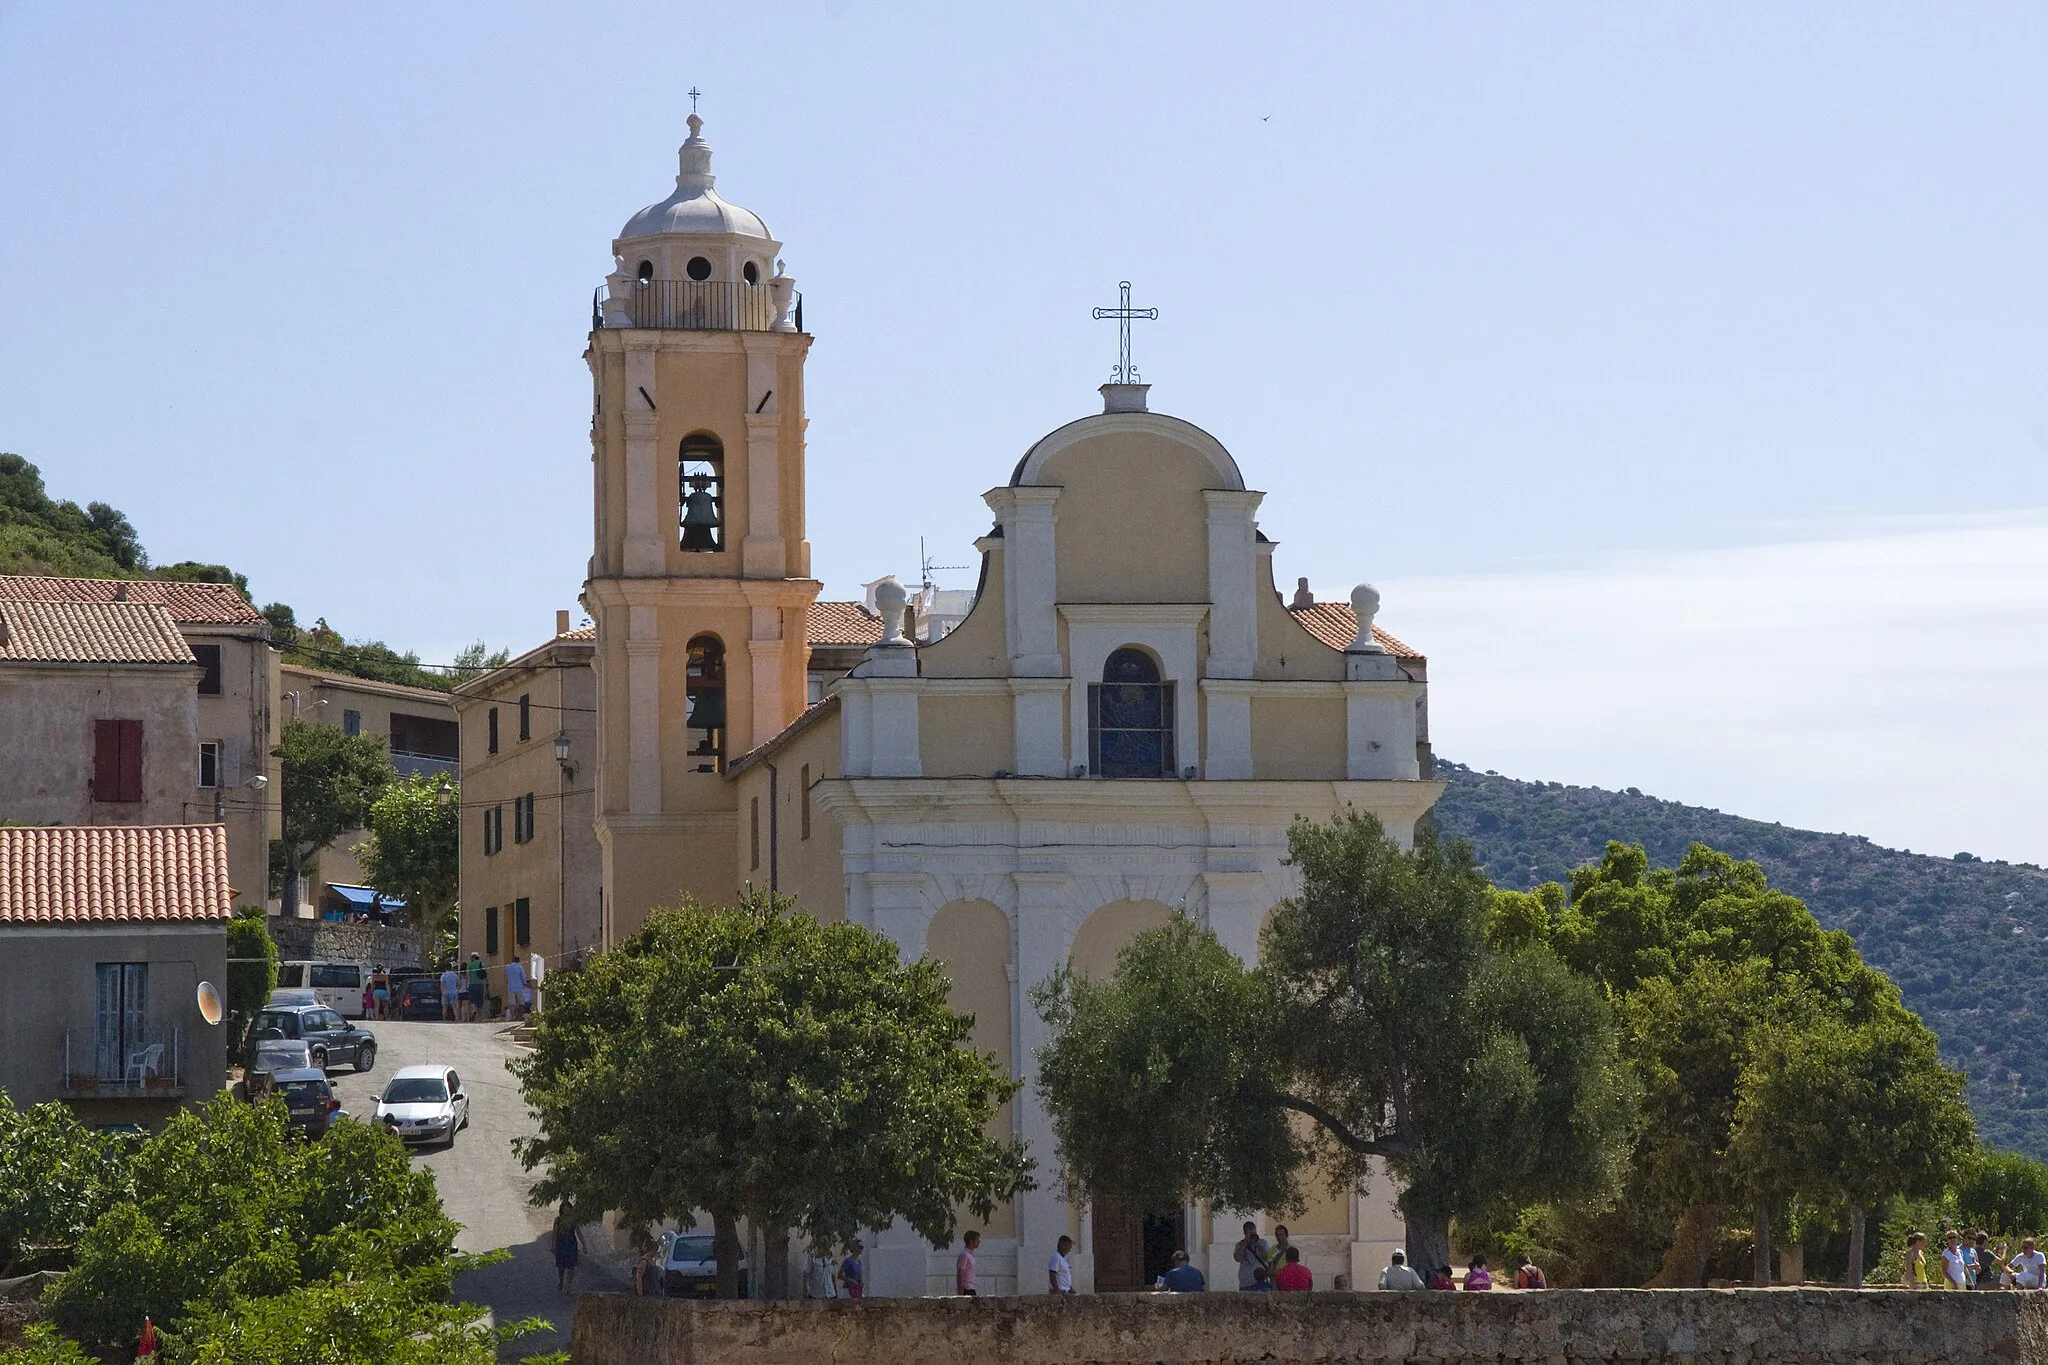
[1132, 1248]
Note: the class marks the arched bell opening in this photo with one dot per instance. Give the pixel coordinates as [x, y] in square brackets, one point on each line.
[704, 703]
[700, 492]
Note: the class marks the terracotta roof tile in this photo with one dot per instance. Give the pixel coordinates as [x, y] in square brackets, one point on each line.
[114, 874]
[843, 623]
[580, 633]
[1336, 626]
[190, 604]
[90, 633]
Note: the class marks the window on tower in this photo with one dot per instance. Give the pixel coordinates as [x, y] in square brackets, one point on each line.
[704, 701]
[751, 273]
[1130, 718]
[645, 274]
[699, 268]
[700, 489]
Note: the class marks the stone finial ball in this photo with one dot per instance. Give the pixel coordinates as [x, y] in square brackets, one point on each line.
[889, 602]
[1365, 601]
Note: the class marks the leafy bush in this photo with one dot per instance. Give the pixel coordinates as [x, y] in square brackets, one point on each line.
[2005, 1193]
[56, 1178]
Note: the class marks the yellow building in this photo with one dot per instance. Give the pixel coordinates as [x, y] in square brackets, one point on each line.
[1123, 725]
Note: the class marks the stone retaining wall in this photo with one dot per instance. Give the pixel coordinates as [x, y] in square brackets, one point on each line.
[1610, 1326]
[314, 940]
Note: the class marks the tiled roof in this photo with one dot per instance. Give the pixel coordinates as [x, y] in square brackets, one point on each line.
[114, 874]
[580, 633]
[190, 604]
[843, 623]
[328, 680]
[90, 633]
[1336, 626]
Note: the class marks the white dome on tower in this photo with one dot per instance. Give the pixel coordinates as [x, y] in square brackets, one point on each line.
[695, 208]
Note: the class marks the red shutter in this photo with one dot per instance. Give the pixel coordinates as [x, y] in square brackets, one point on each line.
[106, 760]
[131, 760]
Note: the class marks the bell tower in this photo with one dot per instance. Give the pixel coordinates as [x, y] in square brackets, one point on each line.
[700, 578]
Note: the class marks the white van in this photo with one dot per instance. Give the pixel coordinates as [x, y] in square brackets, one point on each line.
[337, 985]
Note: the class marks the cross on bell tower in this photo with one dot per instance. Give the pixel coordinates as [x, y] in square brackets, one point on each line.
[1125, 372]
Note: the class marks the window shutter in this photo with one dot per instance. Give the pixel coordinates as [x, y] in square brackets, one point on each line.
[522, 921]
[106, 760]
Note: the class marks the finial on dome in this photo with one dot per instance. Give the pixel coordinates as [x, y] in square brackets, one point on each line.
[696, 125]
[693, 173]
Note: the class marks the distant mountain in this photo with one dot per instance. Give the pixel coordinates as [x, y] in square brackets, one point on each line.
[1966, 939]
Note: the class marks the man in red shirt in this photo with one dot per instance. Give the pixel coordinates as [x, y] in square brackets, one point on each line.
[1293, 1276]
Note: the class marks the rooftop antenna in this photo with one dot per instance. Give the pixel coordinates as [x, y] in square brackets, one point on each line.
[926, 567]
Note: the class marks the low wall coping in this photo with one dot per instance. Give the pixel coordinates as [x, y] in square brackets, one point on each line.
[1548, 1327]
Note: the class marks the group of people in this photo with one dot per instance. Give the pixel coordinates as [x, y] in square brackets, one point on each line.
[1969, 1259]
[1261, 1268]
[1400, 1275]
[845, 1278]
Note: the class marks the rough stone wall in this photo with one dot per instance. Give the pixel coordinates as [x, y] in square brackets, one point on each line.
[1609, 1326]
[308, 940]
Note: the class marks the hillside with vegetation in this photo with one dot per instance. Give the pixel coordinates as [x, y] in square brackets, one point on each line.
[40, 534]
[1965, 938]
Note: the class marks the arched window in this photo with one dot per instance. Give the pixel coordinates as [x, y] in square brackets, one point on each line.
[646, 272]
[700, 492]
[704, 703]
[1130, 718]
[751, 273]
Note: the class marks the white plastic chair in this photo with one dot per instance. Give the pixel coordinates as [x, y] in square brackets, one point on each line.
[146, 1063]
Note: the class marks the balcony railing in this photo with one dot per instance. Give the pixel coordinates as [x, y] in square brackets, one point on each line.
[150, 1066]
[698, 306]
[424, 765]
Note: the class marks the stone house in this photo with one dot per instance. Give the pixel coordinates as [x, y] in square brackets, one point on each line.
[221, 771]
[108, 931]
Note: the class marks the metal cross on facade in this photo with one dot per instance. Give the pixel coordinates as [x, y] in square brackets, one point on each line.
[1126, 372]
[694, 92]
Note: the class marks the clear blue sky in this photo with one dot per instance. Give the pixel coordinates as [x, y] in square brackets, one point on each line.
[1480, 293]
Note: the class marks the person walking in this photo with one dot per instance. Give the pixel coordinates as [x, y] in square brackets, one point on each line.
[478, 975]
[1955, 1273]
[963, 1264]
[451, 992]
[1914, 1275]
[1249, 1253]
[568, 1254]
[1477, 1276]
[1399, 1275]
[518, 995]
[1182, 1278]
[1276, 1255]
[818, 1275]
[1528, 1275]
[1059, 1271]
[380, 992]
[1293, 1277]
[2029, 1268]
[853, 1281]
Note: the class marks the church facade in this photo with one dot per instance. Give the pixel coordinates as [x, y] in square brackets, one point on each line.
[1123, 726]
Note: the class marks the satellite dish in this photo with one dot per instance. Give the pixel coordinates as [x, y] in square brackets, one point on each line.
[210, 1007]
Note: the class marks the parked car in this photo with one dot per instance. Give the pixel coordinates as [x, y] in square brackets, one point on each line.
[329, 1038]
[689, 1267]
[337, 985]
[309, 1099]
[424, 1104]
[270, 1056]
[419, 998]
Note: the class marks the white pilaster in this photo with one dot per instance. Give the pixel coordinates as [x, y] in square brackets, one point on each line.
[1379, 720]
[645, 553]
[1044, 939]
[1040, 714]
[1233, 630]
[902, 913]
[643, 707]
[1030, 579]
[762, 554]
[1227, 735]
[895, 727]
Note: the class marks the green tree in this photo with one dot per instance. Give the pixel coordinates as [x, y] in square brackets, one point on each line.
[1379, 1014]
[330, 782]
[414, 849]
[225, 1206]
[1853, 1114]
[1705, 960]
[252, 962]
[41, 534]
[380, 1320]
[192, 571]
[755, 1063]
[2006, 1192]
[478, 657]
[57, 1177]
[42, 1344]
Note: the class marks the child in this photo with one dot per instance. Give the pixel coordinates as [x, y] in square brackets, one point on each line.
[1477, 1277]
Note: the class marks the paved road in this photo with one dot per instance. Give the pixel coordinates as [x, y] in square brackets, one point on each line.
[482, 1185]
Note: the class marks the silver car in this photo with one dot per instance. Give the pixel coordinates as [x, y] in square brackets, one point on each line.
[424, 1104]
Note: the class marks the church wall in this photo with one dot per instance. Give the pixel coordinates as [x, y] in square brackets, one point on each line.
[975, 648]
[971, 735]
[812, 869]
[1132, 525]
[1298, 738]
[1107, 931]
[1286, 649]
[971, 940]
